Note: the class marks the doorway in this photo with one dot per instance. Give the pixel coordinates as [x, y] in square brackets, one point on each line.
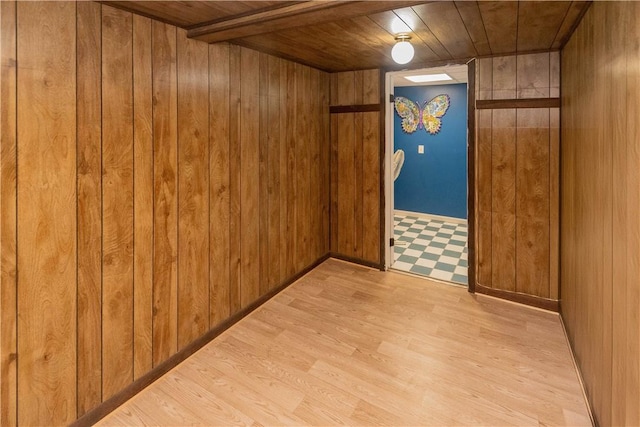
[426, 173]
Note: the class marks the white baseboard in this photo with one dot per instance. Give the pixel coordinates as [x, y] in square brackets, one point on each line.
[430, 216]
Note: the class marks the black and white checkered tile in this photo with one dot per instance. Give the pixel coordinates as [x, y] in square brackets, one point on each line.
[431, 247]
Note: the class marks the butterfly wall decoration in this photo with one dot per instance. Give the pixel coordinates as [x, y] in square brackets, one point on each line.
[427, 117]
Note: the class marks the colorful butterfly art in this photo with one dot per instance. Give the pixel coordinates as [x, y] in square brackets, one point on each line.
[414, 117]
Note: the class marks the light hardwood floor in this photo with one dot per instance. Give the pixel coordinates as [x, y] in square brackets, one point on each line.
[348, 345]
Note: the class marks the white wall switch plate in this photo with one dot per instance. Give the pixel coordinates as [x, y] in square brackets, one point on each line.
[420, 149]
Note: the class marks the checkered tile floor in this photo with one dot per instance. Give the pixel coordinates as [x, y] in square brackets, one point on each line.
[431, 248]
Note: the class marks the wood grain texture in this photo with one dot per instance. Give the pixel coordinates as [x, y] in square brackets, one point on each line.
[543, 24]
[518, 193]
[503, 192]
[532, 205]
[148, 141]
[219, 164]
[46, 217]
[338, 346]
[504, 77]
[444, 20]
[292, 196]
[533, 76]
[554, 202]
[249, 178]
[355, 167]
[599, 164]
[484, 196]
[285, 226]
[143, 197]
[371, 187]
[117, 200]
[501, 24]
[274, 174]
[358, 36]
[165, 300]
[89, 183]
[193, 189]
[263, 161]
[8, 218]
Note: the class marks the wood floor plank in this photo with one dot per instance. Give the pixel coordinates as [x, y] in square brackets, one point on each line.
[350, 345]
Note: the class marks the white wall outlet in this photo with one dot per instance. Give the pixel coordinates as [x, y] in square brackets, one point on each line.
[420, 149]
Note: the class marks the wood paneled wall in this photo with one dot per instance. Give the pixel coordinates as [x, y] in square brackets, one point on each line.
[600, 228]
[355, 167]
[151, 186]
[517, 158]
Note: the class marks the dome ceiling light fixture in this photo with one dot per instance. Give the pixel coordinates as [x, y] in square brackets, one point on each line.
[402, 51]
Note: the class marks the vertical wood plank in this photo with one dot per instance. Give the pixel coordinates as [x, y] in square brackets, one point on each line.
[504, 77]
[263, 174]
[219, 182]
[371, 87]
[193, 188]
[117, 200]
[554, 201]
[554, 74]
[291, 165]
[250, 177]
[326, 151]
[358, 89]
[503, 178]
[632, 354]
[484, 195]
[485, 78]
[346, 88]
[143, 197]
[617, 66]
[532, 75]
[285, 226]
[346, 136]
[357, 186]
[47, 226]
[8, 225]
[334, 199]
[302, 168]
[234, 178]
[274, 183]
[165, 321]
[89, 159]
[316, 165]
[371, 187]
[532, 170]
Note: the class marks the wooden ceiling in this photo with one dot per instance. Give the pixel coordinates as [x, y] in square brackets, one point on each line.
[350, 35]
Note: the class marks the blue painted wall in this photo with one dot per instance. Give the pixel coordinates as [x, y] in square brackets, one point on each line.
[434, 182]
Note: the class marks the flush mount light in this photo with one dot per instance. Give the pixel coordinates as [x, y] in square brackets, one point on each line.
[402, 52]
[424, 78]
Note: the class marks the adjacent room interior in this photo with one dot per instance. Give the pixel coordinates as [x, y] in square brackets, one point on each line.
[195, 227]
[428, 196]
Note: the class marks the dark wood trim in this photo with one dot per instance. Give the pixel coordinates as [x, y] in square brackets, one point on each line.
[354, 260]
[527, 52]
[109, 405]
[364, 108]
[471, 174]
[256, 17]
[382, 153]
[532, 300]
[496, 104]
[292, 16]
